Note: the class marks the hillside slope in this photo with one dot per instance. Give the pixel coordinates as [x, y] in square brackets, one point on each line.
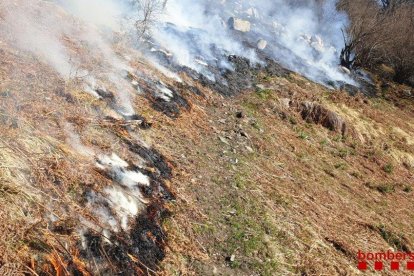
[284, 195]
[127, 167]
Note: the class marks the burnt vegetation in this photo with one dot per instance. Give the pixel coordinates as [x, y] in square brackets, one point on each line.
[139, 250]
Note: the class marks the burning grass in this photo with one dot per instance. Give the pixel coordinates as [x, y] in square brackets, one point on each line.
[52, 140]
[208, 183]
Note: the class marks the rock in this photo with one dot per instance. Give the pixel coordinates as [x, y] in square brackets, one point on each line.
[234, 161]
[318, 114]
[249, 149]
[231, 258]
[243, 134]
[285, 103]
[260, 86]
[261, 44]
[252, 12]
[224, 140]
[345, 70]
[239, 25]
[240, 115]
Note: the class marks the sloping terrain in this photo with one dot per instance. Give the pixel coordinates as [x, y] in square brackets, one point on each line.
[129, 168]
[283, 195]
[252, 177]
[63, 186]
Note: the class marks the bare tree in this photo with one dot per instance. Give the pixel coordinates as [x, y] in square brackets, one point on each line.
[148, 13]
[364, 27]
[380, 33]
[347, 57]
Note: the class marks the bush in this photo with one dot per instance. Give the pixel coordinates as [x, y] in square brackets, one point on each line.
[388, 168]
[148, 12]
[380, 33]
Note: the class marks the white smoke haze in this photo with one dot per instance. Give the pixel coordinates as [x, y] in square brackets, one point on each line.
[305, 36]
[96, 204]
[165, 71]
[30, 32]
[128, 178]
[124, 204]
[114, 160]
[90, 86]
[105, 13]
[73, 139]
[124, 197]
[123, 97]
[131, 179]
[76, 38]
[312, 32]
[117, 204]
[193, 33]
[163, 92]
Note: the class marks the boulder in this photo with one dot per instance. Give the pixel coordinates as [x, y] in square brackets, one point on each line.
[318, 114]
[240, 25]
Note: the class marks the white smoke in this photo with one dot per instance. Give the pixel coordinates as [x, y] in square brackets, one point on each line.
[129, 179]
[125, 205]
[124, 197]
[76, 38]
[21, 24]
[117, 204]
[192, 32]
[73, 139]
[311, 39]
[107, 13]
[169, 74]
[164, 93]
[305, 36]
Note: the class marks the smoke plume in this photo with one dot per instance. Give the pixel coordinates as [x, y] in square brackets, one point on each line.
[305, 36]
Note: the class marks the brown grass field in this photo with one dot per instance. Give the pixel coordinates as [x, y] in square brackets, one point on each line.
[257, 187]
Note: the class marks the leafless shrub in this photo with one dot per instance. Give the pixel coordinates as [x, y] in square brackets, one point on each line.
[381, 32]
[148, 13]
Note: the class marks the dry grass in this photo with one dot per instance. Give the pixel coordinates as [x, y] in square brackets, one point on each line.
[282, 195]
[309, 184]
